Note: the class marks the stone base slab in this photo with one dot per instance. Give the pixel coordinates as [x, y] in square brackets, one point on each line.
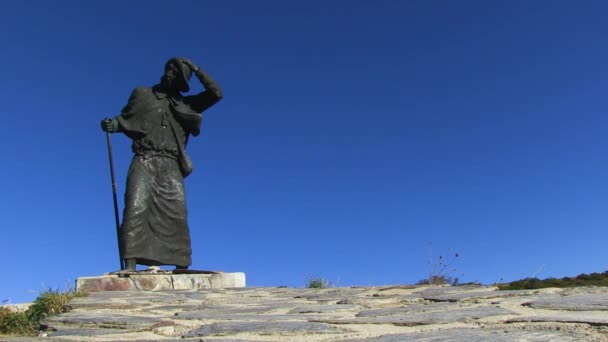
[160, 282]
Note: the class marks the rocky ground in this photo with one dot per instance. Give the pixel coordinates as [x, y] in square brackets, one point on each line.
[377, 314]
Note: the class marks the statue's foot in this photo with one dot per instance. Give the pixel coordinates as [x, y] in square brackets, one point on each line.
[130, 268]
[181, 268]
[130, 265]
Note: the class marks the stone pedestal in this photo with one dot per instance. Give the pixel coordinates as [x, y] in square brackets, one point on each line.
[160, 281]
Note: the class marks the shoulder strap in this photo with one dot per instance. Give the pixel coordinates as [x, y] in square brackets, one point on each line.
[185, 164]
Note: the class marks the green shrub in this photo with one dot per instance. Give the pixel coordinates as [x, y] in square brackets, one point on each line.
[50, 302]
[27, 323]
[15, 323]
[593, 279]
[439, 280]
[317, 283]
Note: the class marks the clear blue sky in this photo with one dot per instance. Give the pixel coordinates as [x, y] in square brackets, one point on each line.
[352, 134]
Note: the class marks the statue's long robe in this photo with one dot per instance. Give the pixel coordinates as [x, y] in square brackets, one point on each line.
[155, 229]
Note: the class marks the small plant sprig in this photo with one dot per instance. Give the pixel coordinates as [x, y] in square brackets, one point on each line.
[441, 270]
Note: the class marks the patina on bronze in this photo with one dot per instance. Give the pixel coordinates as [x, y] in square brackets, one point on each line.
[159, 120]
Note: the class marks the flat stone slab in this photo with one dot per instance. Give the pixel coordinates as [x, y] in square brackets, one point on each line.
[451, 295]
[585, 317]
[101, 320]
[574, 303]
[426, 318]
[323, 308]
[238, 317]
[265, 328]
[85, 332]
[478, 335]
[160, 282]
[418, 308]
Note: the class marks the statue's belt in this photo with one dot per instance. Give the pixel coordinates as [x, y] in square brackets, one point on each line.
[147, 154]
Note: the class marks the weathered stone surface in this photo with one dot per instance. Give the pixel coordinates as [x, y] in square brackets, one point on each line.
[188, 282]
[205, 316]
[227, 280]
[230, 328]
[323, 308]
[233, 313]
[292, 314]
[226, 309]
[425, 318]
[328, 295]
[405, 309]
[85, 332]
[447, 295]
[575, 303]
[445, 289]
[24, 339]
[160, 282]
[477, 335]
[223, 340]
[371, 301]
[100, 319]
[587, 317]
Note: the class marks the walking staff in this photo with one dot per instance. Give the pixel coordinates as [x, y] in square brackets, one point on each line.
[109, 141]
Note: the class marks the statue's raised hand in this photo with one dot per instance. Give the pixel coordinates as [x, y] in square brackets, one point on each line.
[190, 64]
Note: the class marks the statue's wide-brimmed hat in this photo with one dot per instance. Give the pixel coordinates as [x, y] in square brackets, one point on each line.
[183, 68]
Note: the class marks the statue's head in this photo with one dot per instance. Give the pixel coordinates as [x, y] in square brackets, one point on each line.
[176, 76]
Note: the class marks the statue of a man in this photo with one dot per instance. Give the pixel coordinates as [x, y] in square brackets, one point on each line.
[159, 120]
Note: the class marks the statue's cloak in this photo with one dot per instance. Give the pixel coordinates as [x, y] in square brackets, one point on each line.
[155, 229]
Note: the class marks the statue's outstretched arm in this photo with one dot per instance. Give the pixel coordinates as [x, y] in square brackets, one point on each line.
[127, 120]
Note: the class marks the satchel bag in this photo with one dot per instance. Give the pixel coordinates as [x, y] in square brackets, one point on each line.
[184, 162]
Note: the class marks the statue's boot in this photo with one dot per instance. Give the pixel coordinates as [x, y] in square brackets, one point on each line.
[130, 265]
[181, 268]
[130, 268]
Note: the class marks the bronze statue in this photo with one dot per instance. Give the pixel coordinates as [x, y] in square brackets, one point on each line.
[159, 120]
